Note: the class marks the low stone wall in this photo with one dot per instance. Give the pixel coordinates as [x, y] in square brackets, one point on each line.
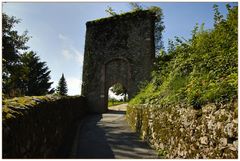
[40, 127]
[183, 132]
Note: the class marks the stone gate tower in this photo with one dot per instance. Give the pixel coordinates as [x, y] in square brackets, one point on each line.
[118, 49]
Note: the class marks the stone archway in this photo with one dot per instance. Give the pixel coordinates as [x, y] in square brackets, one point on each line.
[117, 49]
[116, 70]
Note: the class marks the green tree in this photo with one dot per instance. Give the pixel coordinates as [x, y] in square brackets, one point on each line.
[135, 6]
[36, 75]
[12, 42]
[62, 86]
[159, 26]
[217, 15]
[119, 89]
[110, 11]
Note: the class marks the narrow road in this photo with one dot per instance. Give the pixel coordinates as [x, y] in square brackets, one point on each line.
[109, 136]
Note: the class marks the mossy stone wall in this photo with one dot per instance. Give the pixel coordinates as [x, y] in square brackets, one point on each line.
[183, 132]
[40, 127]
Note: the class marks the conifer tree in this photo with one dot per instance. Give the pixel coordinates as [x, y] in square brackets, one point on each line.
[62, 86]
[34, 75]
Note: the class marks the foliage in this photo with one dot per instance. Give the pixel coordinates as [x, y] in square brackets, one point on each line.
[159, 26]
[161, 153]
[16, 106]
[197, 71]
[114, 102]
[217, 16]
[23, 74]
[36, 75]
[135, 6]
[110, 11]
[119, 89]
[62, 86]
[12, 42]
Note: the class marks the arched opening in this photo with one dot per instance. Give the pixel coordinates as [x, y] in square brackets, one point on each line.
[116, 81]
[117, 95]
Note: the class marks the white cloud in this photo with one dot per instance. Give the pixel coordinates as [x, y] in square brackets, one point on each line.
[55, 83]
[78, 55]
[67, 54]
[70, 52]
[80, 58]
[73, 54]
[74, 85]
[62, 37]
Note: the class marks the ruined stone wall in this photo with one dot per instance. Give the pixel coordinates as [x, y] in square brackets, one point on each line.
[183, 132]
[40, 127]
[118, 49]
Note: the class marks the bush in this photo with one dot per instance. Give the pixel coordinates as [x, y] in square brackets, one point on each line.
[200, 70]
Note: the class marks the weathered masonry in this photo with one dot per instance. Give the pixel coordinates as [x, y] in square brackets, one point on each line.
[118, 49]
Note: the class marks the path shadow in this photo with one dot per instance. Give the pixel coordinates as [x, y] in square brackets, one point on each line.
[116, 112]
[109, 136]
[92, 142]
[126, 143]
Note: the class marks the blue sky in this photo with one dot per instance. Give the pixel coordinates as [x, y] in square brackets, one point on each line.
[58, 29]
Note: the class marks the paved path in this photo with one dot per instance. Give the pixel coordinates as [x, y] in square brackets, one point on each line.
[109, 136]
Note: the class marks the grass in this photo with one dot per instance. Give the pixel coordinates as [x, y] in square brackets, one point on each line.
[114, 103]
